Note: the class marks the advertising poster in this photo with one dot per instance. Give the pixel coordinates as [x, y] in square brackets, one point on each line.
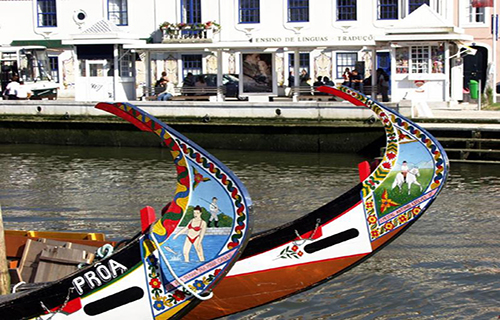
[257, 73]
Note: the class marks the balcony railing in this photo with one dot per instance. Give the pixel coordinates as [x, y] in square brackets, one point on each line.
[181, 32]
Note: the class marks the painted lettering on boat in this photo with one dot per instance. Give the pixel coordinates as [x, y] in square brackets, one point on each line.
[99, 276]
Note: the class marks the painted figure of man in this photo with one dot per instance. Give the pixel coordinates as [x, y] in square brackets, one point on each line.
[404, 169]
[214, 211]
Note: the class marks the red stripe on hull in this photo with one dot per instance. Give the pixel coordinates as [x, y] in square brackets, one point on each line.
[242, 292]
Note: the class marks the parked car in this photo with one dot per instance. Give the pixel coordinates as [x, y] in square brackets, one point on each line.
[230, 82]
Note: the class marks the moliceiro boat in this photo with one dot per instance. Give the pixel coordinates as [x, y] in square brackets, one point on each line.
[315, 248]
[169, 267]
[344, 232]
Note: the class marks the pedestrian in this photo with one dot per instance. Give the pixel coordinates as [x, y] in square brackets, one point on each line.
[10, 92]
[23, 91]
[304, 78]
[347, 77]
[318, 82]
[163, 77]
[188, 83]
[169, 90]
[355, 80]
[328, 82]
[383, 84]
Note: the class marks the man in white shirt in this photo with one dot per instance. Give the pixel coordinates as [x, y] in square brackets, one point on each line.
[11, 90]
[214, 211]
[23, 91]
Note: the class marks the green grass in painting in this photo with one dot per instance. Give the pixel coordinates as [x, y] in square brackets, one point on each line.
[402, 197]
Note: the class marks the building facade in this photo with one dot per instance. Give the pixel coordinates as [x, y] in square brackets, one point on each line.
[112, 49]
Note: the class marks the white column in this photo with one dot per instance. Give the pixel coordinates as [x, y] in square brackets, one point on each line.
[220, 94]
[374, 73]
[148, 72]
[393, 86]
[494, 49]
[447, 62]
[296, 74]
[77, 73]
[116, 74]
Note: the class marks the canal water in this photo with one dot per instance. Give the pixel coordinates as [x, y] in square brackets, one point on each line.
[446, 266]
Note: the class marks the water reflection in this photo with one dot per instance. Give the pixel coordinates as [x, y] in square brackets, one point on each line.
[447, 266]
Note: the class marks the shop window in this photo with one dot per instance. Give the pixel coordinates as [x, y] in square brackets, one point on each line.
[402, 60]
[47, 15]
[54, 68]
[191, 11]
[345, 60]
[249, 11]
[346, 10]
[415, 4]
[420, 59]
[117, 12]
[387, 9]
[191, 63]
[437, 58]
[298, 10]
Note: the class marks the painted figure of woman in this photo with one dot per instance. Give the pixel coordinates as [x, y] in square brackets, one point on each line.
[195, 231]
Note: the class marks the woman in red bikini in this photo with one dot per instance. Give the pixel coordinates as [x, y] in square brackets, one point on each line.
[195, 231]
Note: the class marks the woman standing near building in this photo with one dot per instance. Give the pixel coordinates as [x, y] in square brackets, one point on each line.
[346, 76]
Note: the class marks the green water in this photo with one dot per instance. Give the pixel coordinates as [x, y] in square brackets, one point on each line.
[446, 266]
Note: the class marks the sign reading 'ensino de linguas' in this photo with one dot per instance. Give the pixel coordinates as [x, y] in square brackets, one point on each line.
[346, 39]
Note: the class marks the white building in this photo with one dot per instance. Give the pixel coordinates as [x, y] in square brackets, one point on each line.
[118, 45]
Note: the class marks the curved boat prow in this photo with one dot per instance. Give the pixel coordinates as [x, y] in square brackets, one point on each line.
[344, 232]
[165, 271]
[210, 203]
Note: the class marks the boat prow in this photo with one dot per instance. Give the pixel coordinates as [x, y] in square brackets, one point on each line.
[173, 264]
[344, 232]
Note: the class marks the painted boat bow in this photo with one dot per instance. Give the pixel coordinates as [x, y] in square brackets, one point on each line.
[341, 234]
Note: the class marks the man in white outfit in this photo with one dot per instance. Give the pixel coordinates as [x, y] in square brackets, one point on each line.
[23, 91]
[404, 169]
[214, 211]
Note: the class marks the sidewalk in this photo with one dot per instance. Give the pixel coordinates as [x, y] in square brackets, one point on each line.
[466, 118]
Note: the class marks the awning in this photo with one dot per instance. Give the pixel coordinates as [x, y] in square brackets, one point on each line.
[49, 44]
[463, 49]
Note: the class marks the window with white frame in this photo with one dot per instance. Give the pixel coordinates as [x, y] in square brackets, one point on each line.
[415, 4]
[127, 64]
[304, 61]
[399, 9]
[191, 63]
[118, 12]
[420, 59]
[345, 60]
[298, 10]
[54, 68]
[388, 9]
[191, 11]
[475, 15]
[249, 11]
[47, 14]
[346, 10]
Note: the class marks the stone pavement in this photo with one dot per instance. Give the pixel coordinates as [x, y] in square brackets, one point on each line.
[466, 118]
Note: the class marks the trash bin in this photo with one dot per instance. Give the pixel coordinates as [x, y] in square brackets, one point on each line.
[474, 89]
